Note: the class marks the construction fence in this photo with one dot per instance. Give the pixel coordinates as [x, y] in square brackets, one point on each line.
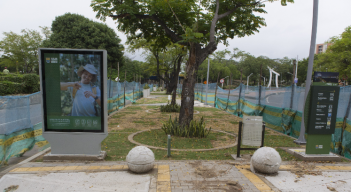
[281, 109]
[21, 117]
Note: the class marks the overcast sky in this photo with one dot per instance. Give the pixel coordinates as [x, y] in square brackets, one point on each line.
[288, 31]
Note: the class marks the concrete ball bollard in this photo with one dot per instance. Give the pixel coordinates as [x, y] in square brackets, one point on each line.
[140, 159]
[265, 160]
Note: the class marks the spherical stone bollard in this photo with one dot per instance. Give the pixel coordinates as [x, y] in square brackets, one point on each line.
[140, 159]
[265, 160]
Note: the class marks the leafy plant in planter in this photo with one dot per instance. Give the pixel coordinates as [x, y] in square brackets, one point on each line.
[170, 108]
[146, 86]
[195, 129]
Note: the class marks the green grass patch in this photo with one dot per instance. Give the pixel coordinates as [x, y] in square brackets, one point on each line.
[159, 139]
[145, 122]
[212, 116]
[286, 156]
[130, 130]
[117, 147]
[152, 107]
[134, 108]
[153, 93]
[234, 122]
[128, 112]
[118, 116]
[203, 109]
[279, 141]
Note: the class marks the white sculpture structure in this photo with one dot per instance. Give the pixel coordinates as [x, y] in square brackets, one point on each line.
[270, 77]
[265, 160]
[140, 159]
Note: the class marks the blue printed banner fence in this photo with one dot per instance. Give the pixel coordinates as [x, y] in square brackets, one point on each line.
[21, 116]
[281, 108]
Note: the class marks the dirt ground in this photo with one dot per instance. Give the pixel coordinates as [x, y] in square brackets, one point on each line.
[138, 117]
[150, 117]
[206, 172]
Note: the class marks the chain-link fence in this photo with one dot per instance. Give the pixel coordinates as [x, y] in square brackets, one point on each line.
[21, 116]
[281, 109]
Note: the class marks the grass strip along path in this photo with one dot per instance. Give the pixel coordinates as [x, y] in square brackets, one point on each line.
[134, 118]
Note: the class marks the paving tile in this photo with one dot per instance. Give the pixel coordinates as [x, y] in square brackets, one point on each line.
[46, 168]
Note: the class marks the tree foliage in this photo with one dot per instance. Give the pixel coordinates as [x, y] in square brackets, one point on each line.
[21, 50]
[337, 58]
[198, 25]
[218, 64]
[76, 31]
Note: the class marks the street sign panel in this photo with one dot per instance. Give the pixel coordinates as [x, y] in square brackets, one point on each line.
[324, 106]
[295, 80]
[326, 78]
[221, 81]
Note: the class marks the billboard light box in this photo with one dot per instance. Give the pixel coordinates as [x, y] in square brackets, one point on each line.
[74, 100]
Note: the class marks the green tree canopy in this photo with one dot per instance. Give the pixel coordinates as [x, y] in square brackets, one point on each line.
[198, 25]
[337, 58]
[78, 32]
[21, 50]
[219, 64]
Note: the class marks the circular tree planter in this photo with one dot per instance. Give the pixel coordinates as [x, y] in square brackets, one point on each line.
[131, 136]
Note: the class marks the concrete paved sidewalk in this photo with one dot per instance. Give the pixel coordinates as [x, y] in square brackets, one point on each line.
[176, 176]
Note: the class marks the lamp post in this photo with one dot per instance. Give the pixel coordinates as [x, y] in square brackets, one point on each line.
[301, 139]
[223, 80]
[208, 74]
[326, 69]
[264, 81]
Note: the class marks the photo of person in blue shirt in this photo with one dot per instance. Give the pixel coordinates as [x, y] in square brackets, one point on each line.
[85, 95]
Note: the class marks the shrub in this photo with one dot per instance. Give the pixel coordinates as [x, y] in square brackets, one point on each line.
[16, 78]
[195, 129]
[170, 108]
[8, 88]
[146, 86]
[31, 83]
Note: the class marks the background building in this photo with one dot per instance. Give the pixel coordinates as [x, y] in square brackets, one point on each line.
[321, 48]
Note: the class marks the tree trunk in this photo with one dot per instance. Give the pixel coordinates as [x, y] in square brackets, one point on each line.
[187, 97]
[196, 57]
[174, 95]
[174, 80]
[170, 87]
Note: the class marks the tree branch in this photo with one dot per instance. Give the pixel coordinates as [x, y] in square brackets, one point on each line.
[232, 10]
[174, 37]
[217, 17]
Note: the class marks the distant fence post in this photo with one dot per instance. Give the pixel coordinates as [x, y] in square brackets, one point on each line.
[230, 84]
[260, 87]
[216, 91]
[117, 95]
[139, 86]
[125, 77]
[240, 90]
[238, 107]
[202, 89]
[133, 89]
[292, 86]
